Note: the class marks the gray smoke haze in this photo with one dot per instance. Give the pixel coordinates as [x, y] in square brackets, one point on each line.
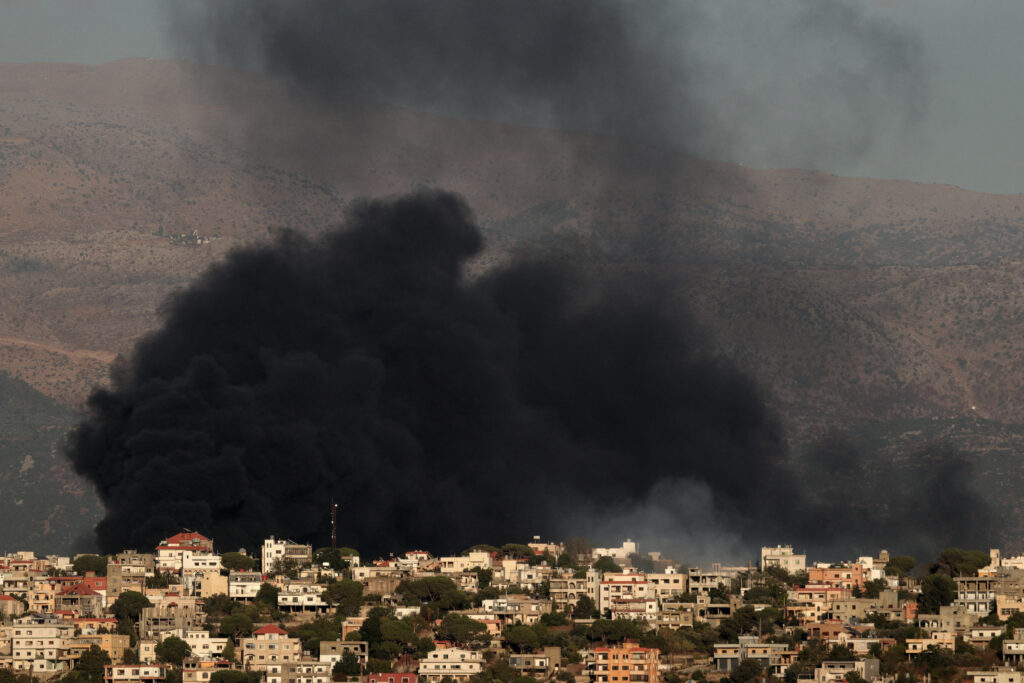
[794, 83]
[444, 411]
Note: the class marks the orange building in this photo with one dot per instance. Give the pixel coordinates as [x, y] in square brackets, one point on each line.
[626, 663]
[840, 577]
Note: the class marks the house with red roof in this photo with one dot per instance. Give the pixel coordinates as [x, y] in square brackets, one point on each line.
[80, 600]
[10, 607]
[267, 648]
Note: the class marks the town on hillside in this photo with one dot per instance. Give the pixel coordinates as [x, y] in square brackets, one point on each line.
[521, 613]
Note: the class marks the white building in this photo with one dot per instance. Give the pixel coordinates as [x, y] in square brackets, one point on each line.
[622, 553]
[454, 662]
[782, 556]
[275, 550]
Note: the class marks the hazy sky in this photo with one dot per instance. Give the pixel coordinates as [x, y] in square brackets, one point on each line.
[967, 134]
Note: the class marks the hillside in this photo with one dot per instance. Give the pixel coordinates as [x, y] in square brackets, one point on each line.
[879, 306]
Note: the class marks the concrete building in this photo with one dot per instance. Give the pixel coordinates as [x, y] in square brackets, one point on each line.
[626, 663]
[267, 647]
[774, 658]
[276, 550]
[134, 673]
[783, 557]
[829, 672]
[453, 662]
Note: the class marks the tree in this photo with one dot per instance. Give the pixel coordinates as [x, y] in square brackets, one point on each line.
[426, 590]
[285, 566]
[521, 638]
[237, 562]
[519, 551]
[461, 630]
[348, 665]
[237, 624]
[960, 562]
[130, 656]
[90, 563]
[92, 662]
[900, 565]
[614, 631]
[585, 608]
[936, 590]
[129, 605]
[345, 594]
[172, 650]
[331, 557]
[267, 595]
[322, 628]
[483, 577]
[872, 589]
[747, 671]
[606, 564]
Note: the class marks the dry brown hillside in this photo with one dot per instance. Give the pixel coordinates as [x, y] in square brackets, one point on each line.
[854, 301]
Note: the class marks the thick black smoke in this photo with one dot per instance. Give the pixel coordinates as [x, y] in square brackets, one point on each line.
[798, 83]
[363, 367]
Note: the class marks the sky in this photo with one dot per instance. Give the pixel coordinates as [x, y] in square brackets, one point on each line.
[966, 134]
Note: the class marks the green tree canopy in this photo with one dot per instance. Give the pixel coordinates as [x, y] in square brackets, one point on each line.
[312, 633]
[238, 562]
[900, 565]
[606, 564]
[267, 594]
[236, 625]
[348, 665]
[90, 563]
[521, 638]
[332, 557]
[461, 630]
[614, 630]
[936, 590]
[129, 605]
[585, 608]
[425, 590]
[172, 650]
[346, 594]
[92, 662]
[960, 562]
[747, 671]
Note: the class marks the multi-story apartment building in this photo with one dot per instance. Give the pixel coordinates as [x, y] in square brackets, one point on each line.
[39, 643]
[267, 648]
[624, 586]
[453, 662]
[626, 663]
[134, 673]
[128, 571]
[783, 557]
[566, 590]
[275, 550]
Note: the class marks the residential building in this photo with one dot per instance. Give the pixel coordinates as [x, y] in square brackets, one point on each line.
[453, 662]
[783, 557]
[831, 672]
[626, 663]
[134, 673]
[268, 646]
[276, 550]
[774, 658]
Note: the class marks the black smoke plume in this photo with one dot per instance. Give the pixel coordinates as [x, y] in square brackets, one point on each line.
[439, 411]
